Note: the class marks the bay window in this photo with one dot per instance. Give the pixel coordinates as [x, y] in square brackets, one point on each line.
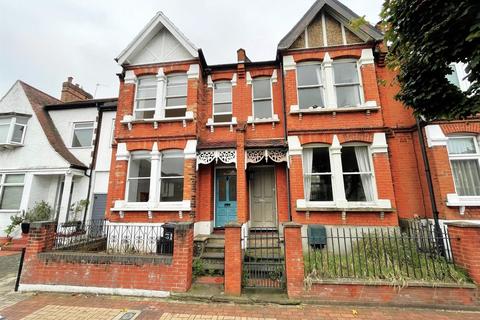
[171, 176]
[347, 83]
[12, 130]
[262, 98]
[176, 95]
[357, 173]
[11, 190]
[464, 155]
[317, 174]
[146, 97]
[222, 101]
[138, 182]
[310, 86]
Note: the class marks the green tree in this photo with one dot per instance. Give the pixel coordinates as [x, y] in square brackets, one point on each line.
[424, 37]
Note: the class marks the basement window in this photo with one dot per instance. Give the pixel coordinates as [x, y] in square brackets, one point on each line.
[12, 130]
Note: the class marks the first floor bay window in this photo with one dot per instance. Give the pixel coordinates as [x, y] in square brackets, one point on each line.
[11, 190]
[357, 173]
[464, 155]
[310, 86]
[347, 83]
[138, 183]
[146, 97]
[171, 176]
[176, 95]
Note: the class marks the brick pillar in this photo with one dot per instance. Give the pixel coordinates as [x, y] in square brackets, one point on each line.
[294, 259]
[41, 237]
[465, 245]
[190, 182]
[183, 255]
[233, 259]
[242, 192]
[296, 182]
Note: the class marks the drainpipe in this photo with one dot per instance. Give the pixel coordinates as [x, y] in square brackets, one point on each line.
[426, 163]
[286, 138]
[94, 160]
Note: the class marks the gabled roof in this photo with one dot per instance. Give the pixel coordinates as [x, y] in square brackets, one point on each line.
[149, 31]
[37, 100]
[365, 32]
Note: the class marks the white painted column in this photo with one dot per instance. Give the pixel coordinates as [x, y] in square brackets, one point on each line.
[64, 205]
[161, 87]
[337, 173]
[27, 191]
[154, 175]
[330, 96]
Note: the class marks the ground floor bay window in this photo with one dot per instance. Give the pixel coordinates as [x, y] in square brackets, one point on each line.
[464, 155]
[11, 191]
[338, 177]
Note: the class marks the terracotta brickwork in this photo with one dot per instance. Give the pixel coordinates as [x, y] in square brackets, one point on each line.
[294, 265]
[233, 259]
[175, 275]
[465, 244]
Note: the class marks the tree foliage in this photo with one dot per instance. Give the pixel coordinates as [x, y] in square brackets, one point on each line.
[424, 37]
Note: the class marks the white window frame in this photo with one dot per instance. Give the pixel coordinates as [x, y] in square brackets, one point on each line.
[472, 156]
[11, 129]
[136, 155]
[165, 108]
[320, 86]
[331, 174]
[347, 84]
[262, 99]
[213, 103]
[172, 153]
[3, 184]
[73, 134]
[137, 99]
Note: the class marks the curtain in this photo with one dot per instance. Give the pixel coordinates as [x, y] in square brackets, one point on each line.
[307, 170]
[466, 174]
[361, 153]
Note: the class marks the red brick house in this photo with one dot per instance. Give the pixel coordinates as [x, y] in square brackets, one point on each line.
[312, 137]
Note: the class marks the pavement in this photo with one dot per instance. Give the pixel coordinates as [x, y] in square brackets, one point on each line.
[51, 306]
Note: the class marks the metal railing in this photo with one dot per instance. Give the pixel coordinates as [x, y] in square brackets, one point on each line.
[101, 236]
[381, 254]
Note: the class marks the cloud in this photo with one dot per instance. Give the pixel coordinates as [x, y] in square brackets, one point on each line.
[43, 42]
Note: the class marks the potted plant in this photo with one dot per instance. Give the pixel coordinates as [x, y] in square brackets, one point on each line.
[15, 221]
[41, 211]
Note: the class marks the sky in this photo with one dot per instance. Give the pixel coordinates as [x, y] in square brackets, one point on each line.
[44, 42]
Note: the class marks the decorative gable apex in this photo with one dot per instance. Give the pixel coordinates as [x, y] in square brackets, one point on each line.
[159, 41]
[326, 23]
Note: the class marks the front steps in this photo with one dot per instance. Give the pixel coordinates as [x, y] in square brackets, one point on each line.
[210, 251]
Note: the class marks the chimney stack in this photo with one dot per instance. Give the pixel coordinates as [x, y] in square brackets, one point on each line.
[73, 92]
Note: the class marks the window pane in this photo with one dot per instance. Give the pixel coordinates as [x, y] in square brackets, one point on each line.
[11, 197]
[147, 82]
[232, 188]
[261, 88]
[310, 97]
[172, 102]
[18, 133]
[4, 133]
[348, 96]
[138, 190]
[222, 118]
[146, 104]
[140, 168]
[222, 107]
[177, 85]
[5, 121]
[222, 188]
[171, 189]
[466, 174]
[345, 72]
[222, 92]
[22, 120]
[321, 188]
[321, 160]
[262, 109]
[308, 75]
[172, 167]
[173, 113]
[14, 178]
[453, 77]
[144, 114]
[82, 137]
[353, 187]
[461, 145]
[349, 160]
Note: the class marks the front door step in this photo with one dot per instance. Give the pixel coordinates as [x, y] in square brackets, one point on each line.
[211, 253]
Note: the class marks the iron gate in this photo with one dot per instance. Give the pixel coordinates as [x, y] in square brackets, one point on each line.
[264, 259]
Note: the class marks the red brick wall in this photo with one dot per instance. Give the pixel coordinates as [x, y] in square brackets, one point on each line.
[294, 266]
[465, 244]
[176, 276]
[233, 259]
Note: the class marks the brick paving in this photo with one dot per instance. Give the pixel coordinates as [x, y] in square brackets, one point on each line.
[67, 306]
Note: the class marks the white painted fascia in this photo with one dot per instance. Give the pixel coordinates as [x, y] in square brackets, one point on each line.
[294, 146]
[149, 31]
[289, 63]
[130, 77]
[193, 72]
[190, 151]
[366, 57]
[379, 144]
[122, 153]
[435, 136]
[92, 290]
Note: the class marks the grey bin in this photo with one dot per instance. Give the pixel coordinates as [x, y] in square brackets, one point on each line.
[317, 236]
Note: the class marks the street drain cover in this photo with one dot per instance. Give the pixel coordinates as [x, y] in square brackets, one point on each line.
[128, 315]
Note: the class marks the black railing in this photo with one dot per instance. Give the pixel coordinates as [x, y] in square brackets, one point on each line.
[101, 236]
[381, 254]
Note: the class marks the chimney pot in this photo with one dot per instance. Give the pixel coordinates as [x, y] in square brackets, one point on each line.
[70, 79]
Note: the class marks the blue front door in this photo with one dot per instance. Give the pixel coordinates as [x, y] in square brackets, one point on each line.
[225, 197]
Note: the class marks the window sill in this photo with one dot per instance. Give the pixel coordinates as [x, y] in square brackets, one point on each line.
[121, 205]
[254, 121]
[212, 124]
[377, 206]
[454, 200]
[129, 120]
[10, 145]
[80, 148]
[367, 107]
[10, 210]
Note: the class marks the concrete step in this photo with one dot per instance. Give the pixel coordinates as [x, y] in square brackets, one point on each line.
[213, 255]
[215, 245]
